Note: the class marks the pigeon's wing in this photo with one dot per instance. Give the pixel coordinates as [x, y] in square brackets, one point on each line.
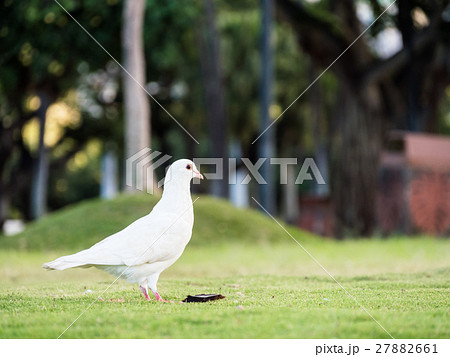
[159, 236]
[147, 240]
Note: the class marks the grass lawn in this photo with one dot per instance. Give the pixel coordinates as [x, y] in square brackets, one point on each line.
[273, 289]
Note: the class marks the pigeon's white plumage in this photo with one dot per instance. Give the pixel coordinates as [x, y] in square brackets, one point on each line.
[141, 251]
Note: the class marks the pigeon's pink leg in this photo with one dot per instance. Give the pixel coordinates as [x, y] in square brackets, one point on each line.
[152, 280]
[145, 292]
[158, 297]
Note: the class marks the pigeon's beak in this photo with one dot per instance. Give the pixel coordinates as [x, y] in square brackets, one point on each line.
[197, 174]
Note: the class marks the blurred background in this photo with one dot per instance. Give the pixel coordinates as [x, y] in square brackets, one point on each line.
[377, 122]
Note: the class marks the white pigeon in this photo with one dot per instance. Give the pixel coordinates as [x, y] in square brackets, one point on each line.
[141, 251]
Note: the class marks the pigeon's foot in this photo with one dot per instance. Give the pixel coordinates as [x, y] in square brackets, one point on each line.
[159, 298]
[145, 292]
[174, 302]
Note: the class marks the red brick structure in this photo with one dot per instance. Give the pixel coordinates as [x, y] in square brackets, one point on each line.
[414, 191]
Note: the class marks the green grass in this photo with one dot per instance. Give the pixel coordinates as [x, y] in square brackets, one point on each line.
[273, 288]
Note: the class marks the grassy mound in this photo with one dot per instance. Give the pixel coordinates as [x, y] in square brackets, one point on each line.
[83, 224]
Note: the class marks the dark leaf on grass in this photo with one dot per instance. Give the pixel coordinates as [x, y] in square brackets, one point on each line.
[203, 297]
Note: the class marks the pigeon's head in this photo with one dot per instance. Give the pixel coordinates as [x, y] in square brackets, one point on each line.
[183, 169]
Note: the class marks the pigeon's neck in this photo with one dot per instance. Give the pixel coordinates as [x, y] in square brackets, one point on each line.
[177, 192]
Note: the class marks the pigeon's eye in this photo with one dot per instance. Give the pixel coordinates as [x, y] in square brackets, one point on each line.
[188, 166]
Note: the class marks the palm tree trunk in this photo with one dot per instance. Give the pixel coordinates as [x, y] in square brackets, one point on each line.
[136, 103]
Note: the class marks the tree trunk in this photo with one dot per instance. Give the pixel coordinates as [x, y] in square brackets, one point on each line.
[290, 197]
[137, 107]
[41, 165]
[320, 147]
[214, 95]
[108, 184]
[266, 143]
[355, 150]
[239, 195]
[4, 207]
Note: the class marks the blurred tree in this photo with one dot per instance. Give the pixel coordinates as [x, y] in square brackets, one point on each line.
[41, 50]
[136, 102]
[241, 63]
[242, 73]
[266, 144]
[373, 91]
[174, 75]
[41, 167]
[212, 78]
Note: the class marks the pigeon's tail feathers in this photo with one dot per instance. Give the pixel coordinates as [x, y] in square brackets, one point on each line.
[77, 260]
[96, 255]
[61, 264]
